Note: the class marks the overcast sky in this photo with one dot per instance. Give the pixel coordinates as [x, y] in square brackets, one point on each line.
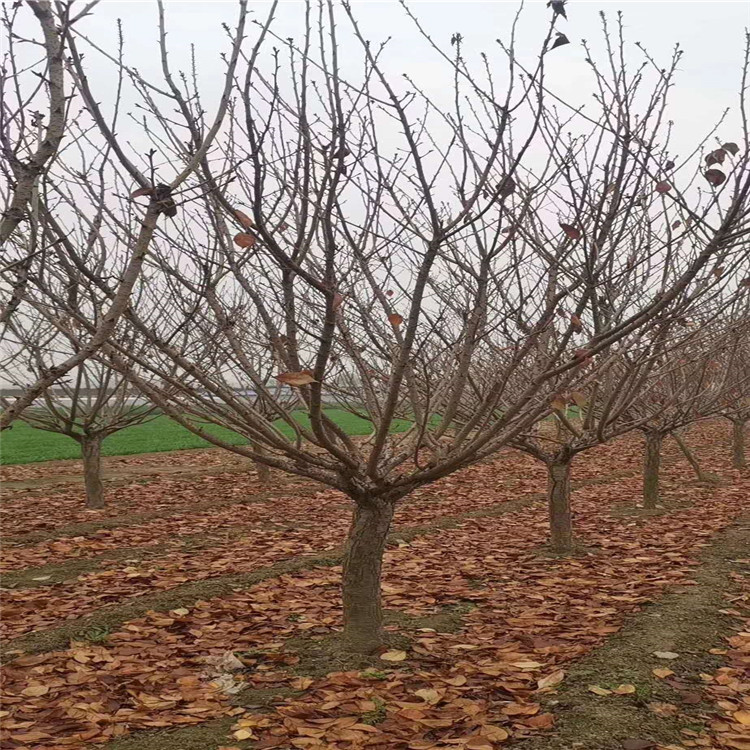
[711, 33]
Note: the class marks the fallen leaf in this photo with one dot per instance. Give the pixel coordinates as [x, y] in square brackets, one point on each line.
[428, 695]
[742, 716]
[243, 734]
[662, 672]
[393, 655]
[663, 709]
[624, 690]
[599, 690]
[666, 655]
[551, 680]
[34, 691]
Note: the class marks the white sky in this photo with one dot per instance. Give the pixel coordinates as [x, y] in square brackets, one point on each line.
[711, 34]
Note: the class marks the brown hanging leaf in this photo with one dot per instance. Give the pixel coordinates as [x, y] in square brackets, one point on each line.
[338, 300]
[716, 157]
[718, 271]
[389, 293]
[395, 319]
[745, 282]
[576, 323]
[663, 187]
[296, 379]
[582, 354]
[579, 399]
[572, 232]
[560, 41]
[244, 240]
[669, 165]
[507, 187]
[676, 224]
[141, 192]
[244, 220]
[283, 227]
[558, 403]
[715, 177]
[731, 147]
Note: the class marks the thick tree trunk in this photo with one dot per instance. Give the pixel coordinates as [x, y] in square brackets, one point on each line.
[738, 444]
[651, 467]
[92, 472]
[558, 497]
[363, 616]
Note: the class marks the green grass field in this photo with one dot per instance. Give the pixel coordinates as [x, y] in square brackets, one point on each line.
[24, 444]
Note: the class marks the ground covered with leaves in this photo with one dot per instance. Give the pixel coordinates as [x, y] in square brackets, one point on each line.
[202, 610]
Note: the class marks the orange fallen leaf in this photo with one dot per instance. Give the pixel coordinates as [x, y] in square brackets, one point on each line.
[662, 672]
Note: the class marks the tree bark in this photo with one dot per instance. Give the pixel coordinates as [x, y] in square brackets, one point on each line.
[738, 444]
[692, 460]
[363, 561]
[92, 471]
[651, 467]
[263, 471]
[558, 497]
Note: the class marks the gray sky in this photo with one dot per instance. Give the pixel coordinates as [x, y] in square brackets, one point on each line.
[711, 33]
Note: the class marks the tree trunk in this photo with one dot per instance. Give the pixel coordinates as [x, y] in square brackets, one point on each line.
[363, 560]
[92, 472]
[558, 497]
[738, 444]
[692, 460]
[263, 471]
[651, 467]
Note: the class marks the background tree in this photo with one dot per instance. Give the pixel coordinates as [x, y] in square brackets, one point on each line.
[88, 405]
[94, 167]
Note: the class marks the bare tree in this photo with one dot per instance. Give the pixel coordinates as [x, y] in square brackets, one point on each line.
[408, 259]
[691, 384]
[98, 164]
[88, 405]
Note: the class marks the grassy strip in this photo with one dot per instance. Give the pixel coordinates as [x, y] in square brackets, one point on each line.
[24, 444]
[113, 616]
[688, 622]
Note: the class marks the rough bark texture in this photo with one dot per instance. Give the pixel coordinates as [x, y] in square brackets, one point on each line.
[738, 444]
[363, 616]
[558, 496]
[92, 472]
[651, 467]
